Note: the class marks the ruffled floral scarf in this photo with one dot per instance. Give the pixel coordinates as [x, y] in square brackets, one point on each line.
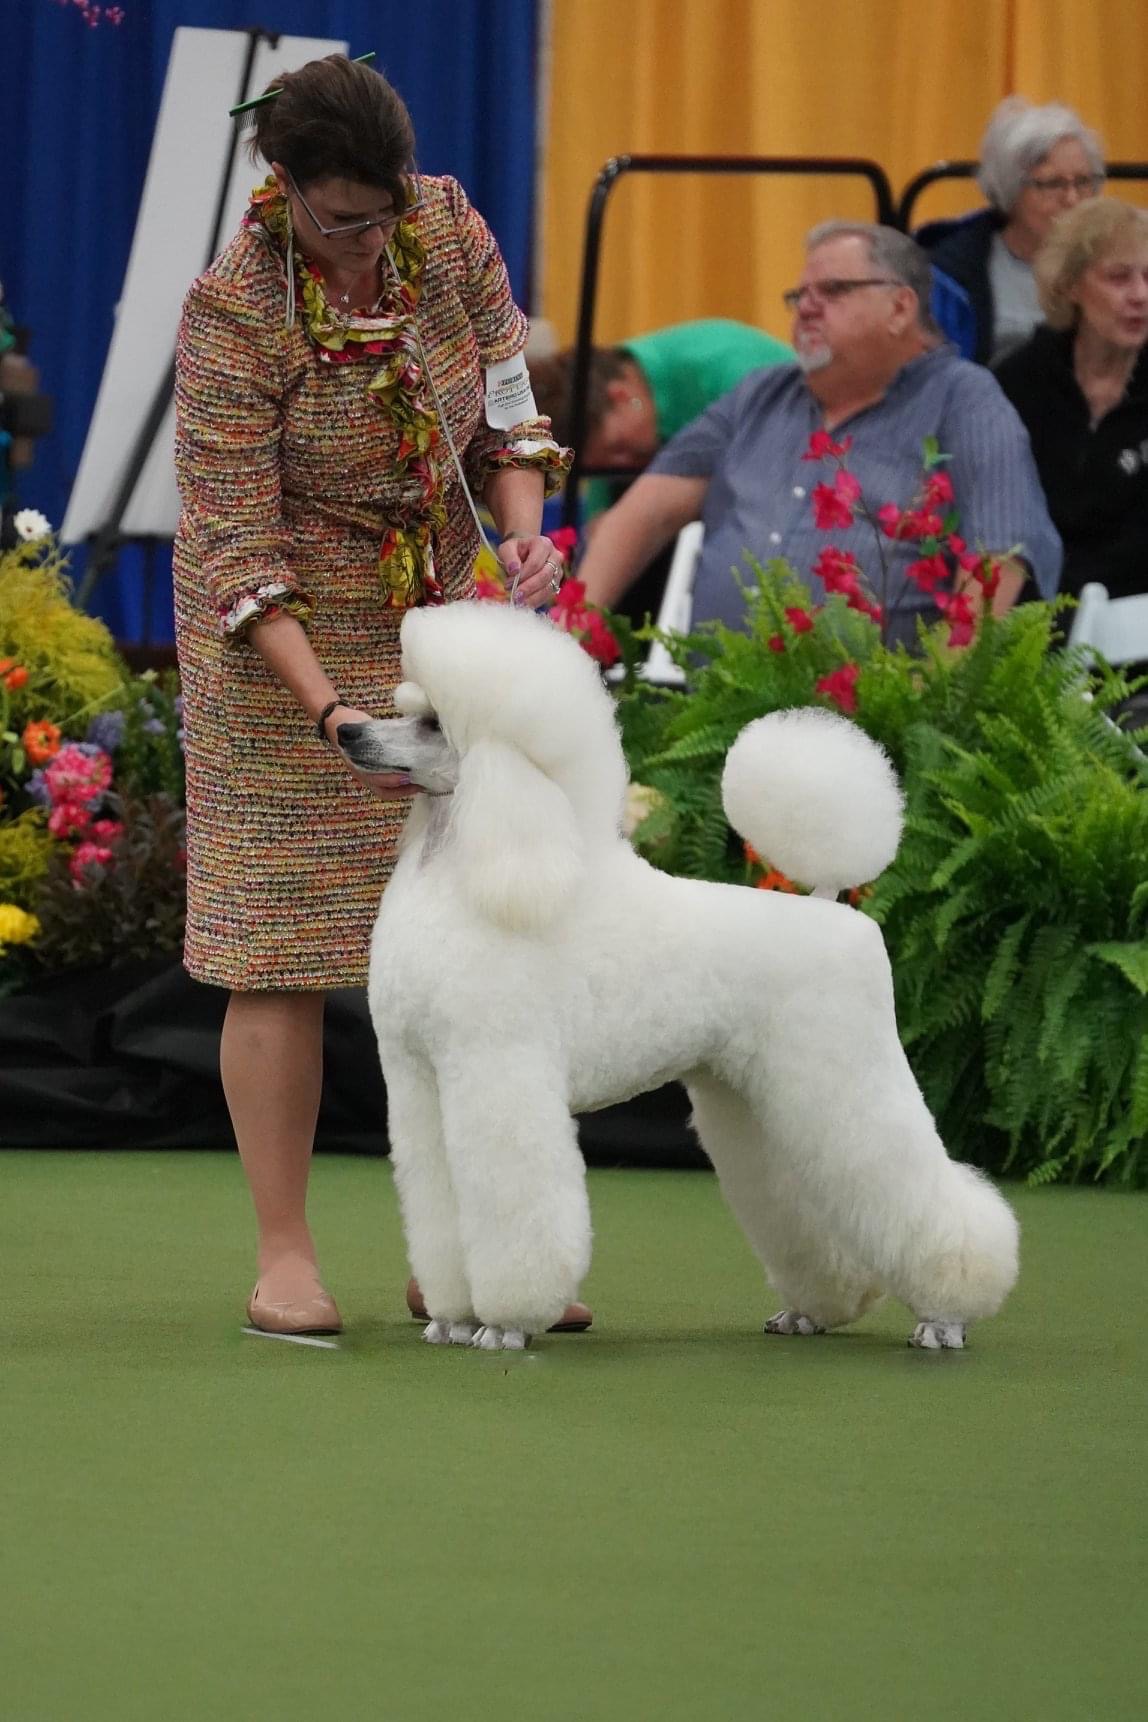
[407, 552]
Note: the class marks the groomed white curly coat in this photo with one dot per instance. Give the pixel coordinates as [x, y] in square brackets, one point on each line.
[527, 965]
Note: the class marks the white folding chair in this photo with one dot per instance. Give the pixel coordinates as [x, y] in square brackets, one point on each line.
[1117, 628]
[677, 607]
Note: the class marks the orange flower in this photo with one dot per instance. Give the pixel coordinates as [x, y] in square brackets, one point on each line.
[41, 741]
[6, 665]
[775, 881]
[16, 678]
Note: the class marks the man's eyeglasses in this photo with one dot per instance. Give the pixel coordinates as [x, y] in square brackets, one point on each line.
[1083, 184]
[835, 289]
[414, 201]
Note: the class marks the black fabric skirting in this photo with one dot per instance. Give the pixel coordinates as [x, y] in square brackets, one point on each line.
[128, 1057]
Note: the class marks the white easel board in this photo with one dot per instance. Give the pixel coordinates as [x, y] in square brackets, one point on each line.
[189, 157]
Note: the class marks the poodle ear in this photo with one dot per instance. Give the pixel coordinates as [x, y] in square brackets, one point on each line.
[515, 839]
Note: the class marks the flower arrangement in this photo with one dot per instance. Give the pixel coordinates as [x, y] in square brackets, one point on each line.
[91, 781]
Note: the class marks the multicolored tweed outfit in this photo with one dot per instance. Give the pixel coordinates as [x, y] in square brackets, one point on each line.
[314, 478]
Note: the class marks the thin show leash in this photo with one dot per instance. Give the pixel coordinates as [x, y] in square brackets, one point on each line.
[445, 423]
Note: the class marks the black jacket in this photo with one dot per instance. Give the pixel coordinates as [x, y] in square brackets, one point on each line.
[960, 250]
[1096, 480]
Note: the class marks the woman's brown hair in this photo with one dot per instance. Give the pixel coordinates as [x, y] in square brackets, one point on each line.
[337, 119]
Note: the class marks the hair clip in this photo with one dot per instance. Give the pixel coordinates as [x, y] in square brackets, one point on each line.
[270, 95]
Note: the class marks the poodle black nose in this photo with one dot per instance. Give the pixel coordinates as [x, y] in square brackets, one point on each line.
[348, 733]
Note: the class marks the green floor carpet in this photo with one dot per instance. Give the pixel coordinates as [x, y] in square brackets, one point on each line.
[671, 1518]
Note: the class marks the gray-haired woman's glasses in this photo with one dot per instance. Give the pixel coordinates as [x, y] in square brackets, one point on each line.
[414, 201]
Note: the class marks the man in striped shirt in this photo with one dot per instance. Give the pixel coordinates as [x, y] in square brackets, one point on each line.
[871, 366]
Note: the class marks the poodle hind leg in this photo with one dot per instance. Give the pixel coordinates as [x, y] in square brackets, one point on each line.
[427, 1200]
[512, 1148]
[823, 1286]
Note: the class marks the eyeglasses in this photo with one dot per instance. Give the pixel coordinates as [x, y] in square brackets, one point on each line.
[1083, 184]
[391, 220]
[832, 289]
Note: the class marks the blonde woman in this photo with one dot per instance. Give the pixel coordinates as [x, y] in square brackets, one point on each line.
[1080, 383]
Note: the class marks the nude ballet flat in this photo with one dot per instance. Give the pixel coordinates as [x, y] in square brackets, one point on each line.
[316, 1314]
[576, 1318]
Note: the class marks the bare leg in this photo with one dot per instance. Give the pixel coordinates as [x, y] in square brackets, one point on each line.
[271, 1061]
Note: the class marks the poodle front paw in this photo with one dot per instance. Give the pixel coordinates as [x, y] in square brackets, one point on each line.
[789, 1321]
[939, 1336]
[449, 1332]
[490, 1338]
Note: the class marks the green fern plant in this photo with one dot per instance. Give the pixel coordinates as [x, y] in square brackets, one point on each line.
[1016, 912]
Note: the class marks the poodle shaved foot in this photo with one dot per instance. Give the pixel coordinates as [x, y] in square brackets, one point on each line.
[450, 1332]
[788, 1321]
[501, 1339]
[939, 1336]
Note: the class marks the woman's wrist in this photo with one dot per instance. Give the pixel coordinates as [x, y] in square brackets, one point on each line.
[515, 532]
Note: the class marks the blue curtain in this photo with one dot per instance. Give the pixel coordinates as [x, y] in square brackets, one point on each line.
[80, 106]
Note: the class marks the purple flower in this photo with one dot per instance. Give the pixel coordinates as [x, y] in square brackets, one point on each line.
[155, 726]
[106, 730]
[38, 789]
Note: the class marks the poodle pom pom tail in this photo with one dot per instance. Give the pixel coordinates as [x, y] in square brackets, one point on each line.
[815, 796]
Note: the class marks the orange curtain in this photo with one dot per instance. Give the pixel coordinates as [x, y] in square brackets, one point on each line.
[902, 82]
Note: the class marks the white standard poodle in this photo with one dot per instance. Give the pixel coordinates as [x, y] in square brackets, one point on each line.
[527, 965]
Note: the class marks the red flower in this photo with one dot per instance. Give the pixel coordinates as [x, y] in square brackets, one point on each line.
[799, 620]
[16, 678]
[928, 572]
[564, 539]
[569, 612]
[961, 616]
[775, 643]
[838, 570]
[833, 504]
[822, 446]
[921, 523]
[888, 518]
[938, 490]
[841, 687]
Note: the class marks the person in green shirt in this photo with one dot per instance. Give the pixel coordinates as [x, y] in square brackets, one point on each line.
[645, 390]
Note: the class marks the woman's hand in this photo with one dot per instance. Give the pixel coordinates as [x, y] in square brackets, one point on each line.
[537, 565]
[387, 785]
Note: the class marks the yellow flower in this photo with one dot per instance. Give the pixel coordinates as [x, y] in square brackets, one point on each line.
[17, 927]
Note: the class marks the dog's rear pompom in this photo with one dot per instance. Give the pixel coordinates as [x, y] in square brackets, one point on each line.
[815, 796]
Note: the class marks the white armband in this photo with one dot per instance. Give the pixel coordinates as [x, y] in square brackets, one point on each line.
[509, 397]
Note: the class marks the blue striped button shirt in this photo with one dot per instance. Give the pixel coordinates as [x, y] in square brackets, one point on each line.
[749, 445]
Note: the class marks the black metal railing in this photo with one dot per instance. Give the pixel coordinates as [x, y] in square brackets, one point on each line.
[854, 167]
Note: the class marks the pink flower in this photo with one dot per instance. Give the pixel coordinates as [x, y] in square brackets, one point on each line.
[799, 620]
[841, 687]
[823, 447]
[106, 830]
[69, 819]
[89, 856]
[78, 775]
[888, 518]
[775, 643]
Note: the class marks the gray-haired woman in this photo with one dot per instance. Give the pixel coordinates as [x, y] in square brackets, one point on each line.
[1035, 163]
